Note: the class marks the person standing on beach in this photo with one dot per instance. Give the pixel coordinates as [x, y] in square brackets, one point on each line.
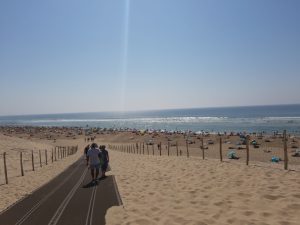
[105, 159]
[94, 161]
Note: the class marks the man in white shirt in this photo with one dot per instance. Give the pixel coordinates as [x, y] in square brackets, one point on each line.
[94, 161]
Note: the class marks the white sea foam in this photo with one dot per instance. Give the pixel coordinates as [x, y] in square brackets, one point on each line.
[172, 120]
[145, 120]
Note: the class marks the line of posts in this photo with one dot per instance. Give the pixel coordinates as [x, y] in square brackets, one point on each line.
[136, 149]
[59, 152]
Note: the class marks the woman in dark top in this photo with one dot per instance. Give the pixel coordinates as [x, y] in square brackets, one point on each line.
[105, 159]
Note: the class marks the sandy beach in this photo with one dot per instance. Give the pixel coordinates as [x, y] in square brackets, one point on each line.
[170, 189]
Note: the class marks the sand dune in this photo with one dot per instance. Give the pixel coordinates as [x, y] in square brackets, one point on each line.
[19, 186]
[176, 190]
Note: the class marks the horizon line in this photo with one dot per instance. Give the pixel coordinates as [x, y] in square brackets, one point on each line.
[149, 110]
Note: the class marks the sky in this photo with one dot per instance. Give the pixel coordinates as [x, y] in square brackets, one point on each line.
[64, 56]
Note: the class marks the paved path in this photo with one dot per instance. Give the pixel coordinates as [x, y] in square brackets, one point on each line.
[68, 199]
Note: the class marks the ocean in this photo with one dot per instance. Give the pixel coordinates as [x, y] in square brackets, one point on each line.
[266, 119]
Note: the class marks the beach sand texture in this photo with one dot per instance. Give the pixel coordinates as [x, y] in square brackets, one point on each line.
[178, 190]
[171, 190]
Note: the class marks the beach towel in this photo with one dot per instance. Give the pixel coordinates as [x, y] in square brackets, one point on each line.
[275, 159]
[232, 155]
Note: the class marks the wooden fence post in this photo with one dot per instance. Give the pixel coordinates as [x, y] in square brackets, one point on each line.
[32, 160]
[221, 154]
[247, 150]
[202, 147]
[160, 148]
[5, 168]
[187, 149]
[168, 148]
[177, 148]
[40, 158]
[143, 148]
[147, 148]
[46, 156]
[285, 150]
[52, 155]
[21, 164]
[153, 148]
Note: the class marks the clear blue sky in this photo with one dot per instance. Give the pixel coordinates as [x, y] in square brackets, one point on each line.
[78, 56]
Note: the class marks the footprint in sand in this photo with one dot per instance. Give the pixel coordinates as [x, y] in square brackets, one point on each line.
[266, 214]
[248, 213]
[230, 221]
[140, 222]
[272, 197]
[193, 202]
[219, 203]
[273, 187]
[246, 195]
[294, 206]
[284, 223]
[296, 195]
[216, 216]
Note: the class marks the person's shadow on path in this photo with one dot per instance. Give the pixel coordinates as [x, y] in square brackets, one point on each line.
[94, 183]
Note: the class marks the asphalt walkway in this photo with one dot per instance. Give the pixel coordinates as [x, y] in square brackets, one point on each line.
[69, 198]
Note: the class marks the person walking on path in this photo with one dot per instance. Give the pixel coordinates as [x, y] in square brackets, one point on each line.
[94, 161]
[85, 154]
[104, 159]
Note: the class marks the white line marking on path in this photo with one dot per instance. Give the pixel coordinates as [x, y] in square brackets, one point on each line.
[89, 217]
[36, 206]
[65, 202]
